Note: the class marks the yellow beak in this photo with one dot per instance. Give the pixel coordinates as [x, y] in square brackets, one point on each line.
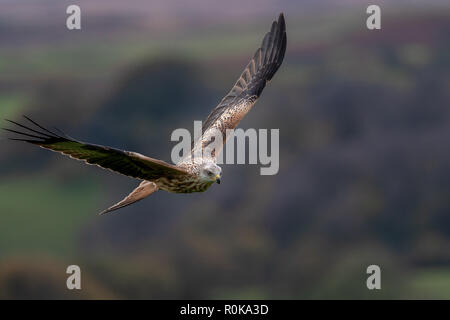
[217, 179]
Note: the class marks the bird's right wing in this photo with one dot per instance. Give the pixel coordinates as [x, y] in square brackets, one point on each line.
[128, 163]
[247, 89]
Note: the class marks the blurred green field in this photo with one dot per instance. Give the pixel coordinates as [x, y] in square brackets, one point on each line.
[12, 105]
[39, 215]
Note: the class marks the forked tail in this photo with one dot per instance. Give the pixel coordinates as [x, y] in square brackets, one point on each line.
[145, 189]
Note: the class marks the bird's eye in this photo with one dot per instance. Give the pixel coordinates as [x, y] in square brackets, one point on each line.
[209, 173]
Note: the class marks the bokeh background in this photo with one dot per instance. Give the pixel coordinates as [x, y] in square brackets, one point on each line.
[364, 174]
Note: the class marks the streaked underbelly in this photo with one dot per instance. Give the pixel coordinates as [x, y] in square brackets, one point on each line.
[182, 186]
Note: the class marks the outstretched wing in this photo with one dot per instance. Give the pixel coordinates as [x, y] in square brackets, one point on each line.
[259, 71]
[128, 163]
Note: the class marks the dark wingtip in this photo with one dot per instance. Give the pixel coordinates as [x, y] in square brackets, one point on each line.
[281, 22]
[42, 136]
[38, 125]
[276, 46]
[23, 133]
[10, 121]
[26, 140]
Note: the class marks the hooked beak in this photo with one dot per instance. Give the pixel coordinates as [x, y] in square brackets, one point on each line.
[218, 179]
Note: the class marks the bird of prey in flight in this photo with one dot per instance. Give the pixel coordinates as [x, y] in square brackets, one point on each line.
[190, 174]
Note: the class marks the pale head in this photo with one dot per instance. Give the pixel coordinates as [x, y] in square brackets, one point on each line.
[209, 171]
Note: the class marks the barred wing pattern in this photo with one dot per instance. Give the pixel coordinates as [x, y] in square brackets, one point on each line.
[259, 71]
[128, 163]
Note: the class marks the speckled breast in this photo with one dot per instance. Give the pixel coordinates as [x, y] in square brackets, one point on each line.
[182, 186]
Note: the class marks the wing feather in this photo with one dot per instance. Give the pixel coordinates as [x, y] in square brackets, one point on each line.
[124, 162]
[259, 71]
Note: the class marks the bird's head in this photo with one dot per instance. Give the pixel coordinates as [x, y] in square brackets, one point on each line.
[211, 172]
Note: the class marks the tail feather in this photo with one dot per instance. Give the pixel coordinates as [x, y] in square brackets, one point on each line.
[145, 189]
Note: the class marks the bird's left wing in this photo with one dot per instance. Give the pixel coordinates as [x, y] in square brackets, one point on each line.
[236, 104]
[128, 163]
